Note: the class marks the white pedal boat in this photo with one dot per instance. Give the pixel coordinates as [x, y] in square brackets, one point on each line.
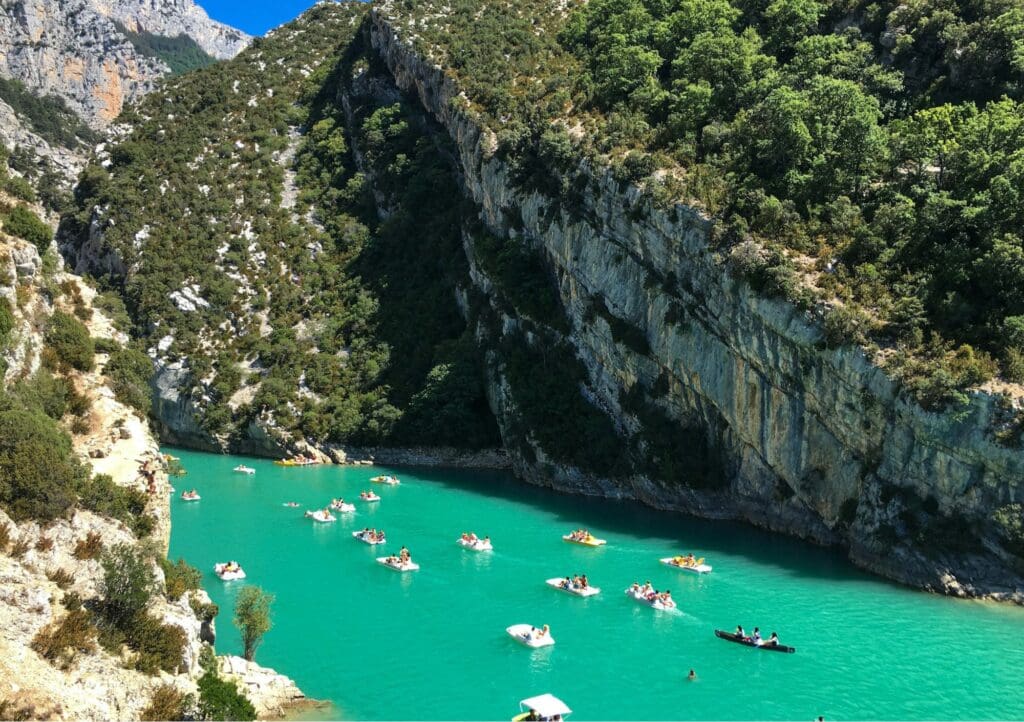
[389, 480]
[185, 496]
[342, 506]
[588, 591]
[530, 636]
[655, 604]
[243, 469]
[480, 545]
[365, 538]
[321, 516]
[369, 497]
[393, 563]
[228, 575]
[699, 567]
[589, 541]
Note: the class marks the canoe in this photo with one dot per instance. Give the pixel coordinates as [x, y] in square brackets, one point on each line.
[556, 583]
[730, 637]
[293, 462]
[694, 569]
[365, 539]
[656, 604]
[228, 576]
[591, 541]
[390, 563]
[523, 633]
[475, 546]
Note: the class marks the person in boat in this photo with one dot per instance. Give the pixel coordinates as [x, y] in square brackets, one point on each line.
[773, 640]
[465, 537]
[473, 538]
[583, 581]
[635, 588]
[566, 583]
[531, 716]
[740, 634]
[647, 588]
[403, 555]
[487, 540]
[543, 632]
[756, 637]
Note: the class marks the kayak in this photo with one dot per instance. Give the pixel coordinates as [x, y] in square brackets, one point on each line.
[321, 516]
[342, 506]
[228, 575]
[242, 469]
[393, 563]
[590, 541]
[730, 637]
[366, 539]
[588, 591]
[390, 480]
[655, 604]
[480, 545]
[527, 634]
[699, 567]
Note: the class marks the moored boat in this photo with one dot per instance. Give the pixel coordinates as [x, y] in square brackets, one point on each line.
[687, 564]
[747, 641]
[229, 571]
[243, 469]
[567, 586]
[529, 635]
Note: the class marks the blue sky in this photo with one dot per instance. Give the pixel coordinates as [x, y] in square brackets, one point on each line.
[254, 16]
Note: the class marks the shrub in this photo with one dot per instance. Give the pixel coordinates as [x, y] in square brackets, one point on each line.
[127, 584]
[5, 536]
[1009, 523]
[61, 577]
[167, 703]
[19, 548]
[39, 473]
[6, 319]
[221, 700]
[89, 548]
[252, 617]
[129, 371]
[204, 611]
[13, 711]
[44, 544]
[25, 224]
[180, 577]
[70, 339]
[103, 496]
[60, 642]
[160, 646]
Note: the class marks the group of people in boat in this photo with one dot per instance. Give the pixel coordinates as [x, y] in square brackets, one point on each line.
[401, 559]
[578, 581]
[367, 495]
[540, 633]
[373, 535]
[687, 561]
[472, 538]
[755, 637]
[187, 495]
[231, 566]
[651, 594]
[581, 535]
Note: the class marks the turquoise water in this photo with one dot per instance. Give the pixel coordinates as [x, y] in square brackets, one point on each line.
[431, 644]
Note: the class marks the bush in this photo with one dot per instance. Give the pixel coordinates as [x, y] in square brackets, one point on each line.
[25, 224]
[70, 340]
[44, 544]
[5, 536]
[19, 548]
[160, 646]
[127, 585]
[167, 703]
[59, 643]
[129, 372]
[221, 700]
[204, 611]
[1009, 523]
[179, 577]
[105, 497]
[39, 473]
[89, 548]
[252, 617]
[6, 319]
[61, 577]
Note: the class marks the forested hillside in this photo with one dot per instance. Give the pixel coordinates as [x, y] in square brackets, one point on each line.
[301, 293]
[872, 151]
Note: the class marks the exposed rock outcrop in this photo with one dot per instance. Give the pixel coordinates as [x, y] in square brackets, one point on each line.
[809, 441]
[272, 694]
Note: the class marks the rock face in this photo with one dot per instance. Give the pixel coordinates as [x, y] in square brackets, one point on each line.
[74, 49]
[272, 694]
[805, 440]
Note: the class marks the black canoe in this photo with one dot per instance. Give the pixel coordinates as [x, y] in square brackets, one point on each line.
[729, 636]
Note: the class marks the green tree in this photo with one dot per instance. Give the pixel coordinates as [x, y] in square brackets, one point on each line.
[127, 585]
[70, 339]
[221, 700]
[252, 617]
[23, 223]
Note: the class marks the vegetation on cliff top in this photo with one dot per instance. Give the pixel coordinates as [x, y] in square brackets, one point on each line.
[876, 146]
[181, 53]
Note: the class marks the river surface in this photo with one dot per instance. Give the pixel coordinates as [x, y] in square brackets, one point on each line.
[431, 644]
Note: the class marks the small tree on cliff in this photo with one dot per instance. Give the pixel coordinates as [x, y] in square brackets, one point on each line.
[252, 617]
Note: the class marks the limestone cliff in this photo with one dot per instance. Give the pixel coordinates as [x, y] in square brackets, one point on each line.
[766, 424]
[76, 50]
